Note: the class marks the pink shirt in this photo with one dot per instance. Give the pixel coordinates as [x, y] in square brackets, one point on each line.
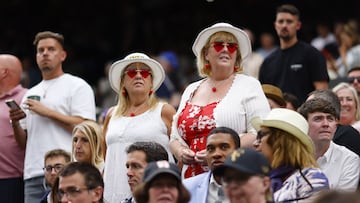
[11, 155]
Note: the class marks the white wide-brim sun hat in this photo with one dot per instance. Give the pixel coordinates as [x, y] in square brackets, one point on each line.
[117, 69]
[286, 120]
[241, 36]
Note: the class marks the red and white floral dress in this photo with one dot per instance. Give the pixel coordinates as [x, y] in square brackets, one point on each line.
[194, 124]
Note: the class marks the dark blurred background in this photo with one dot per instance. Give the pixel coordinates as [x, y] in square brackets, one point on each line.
[100, 31]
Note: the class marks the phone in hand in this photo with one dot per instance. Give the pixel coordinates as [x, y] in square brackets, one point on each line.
[12, 104]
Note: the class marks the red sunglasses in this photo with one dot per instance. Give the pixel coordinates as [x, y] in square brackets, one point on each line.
[132, 72]
[231, 47]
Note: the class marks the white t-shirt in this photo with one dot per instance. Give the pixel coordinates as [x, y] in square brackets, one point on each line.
[67, 94]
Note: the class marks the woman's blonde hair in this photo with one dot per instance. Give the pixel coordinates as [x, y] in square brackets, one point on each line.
[289, 150]
[201, 61]
[353, 91]
[93, 133]
[124, 102]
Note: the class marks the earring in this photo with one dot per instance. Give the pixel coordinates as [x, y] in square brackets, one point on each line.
[150, 93]
[236, 69]
[124, 93]
[207, 66]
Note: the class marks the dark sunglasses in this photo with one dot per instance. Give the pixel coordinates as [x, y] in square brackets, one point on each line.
[262, 134]
[231, 47]
[132, 72]
[352, 79]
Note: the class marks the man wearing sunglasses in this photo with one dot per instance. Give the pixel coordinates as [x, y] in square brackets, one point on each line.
[55, 160]
[353, 78]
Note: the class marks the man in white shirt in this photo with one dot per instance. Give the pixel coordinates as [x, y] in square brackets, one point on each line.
[340, 165]
[53, 107]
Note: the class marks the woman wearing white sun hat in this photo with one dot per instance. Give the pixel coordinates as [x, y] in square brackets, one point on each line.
[138, 116]
[225, 97]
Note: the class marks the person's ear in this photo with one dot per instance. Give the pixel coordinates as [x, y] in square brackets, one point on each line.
[97, 193]
[266, 182]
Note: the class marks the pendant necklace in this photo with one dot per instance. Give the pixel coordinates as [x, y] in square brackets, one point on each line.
[134, 113]
[219, 84]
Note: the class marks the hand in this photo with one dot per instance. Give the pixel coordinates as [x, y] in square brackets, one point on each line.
[200, 157]
[36, 106]
[16, 115]
[186, 155]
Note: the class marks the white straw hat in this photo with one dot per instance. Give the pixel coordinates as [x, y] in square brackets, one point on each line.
[286, 120]
[117, 68]
[241, 36]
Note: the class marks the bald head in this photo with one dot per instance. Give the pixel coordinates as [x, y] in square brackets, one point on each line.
[10, 71]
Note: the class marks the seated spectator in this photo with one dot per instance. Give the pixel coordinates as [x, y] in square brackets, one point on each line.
[80, 182]
[274, 96]
[139, 154]
[292, 102]
[87, 144]
[340, 165]
[161, 182]
[282, 138]
[245, 176]
[55, 160]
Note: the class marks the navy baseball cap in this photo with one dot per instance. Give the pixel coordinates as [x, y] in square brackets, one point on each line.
[156, 168]
[247, 161]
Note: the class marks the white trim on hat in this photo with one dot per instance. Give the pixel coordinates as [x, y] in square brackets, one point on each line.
[241, 36]
[118, 67]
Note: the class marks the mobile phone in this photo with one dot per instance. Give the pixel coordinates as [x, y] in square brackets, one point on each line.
[12, 104]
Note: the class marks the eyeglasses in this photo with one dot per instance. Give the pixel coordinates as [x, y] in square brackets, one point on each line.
[231, 47]
[71, 192]
[132, 72]
[352, 79]
[56, 167]
[261, 134]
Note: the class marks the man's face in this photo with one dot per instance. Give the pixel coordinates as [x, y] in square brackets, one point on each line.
[322, 127]
[286, 26]
[49, 55]
[54, 165]
[135, 164]
[74, 190]
[240, 187]
[355, 82]
[218, 146]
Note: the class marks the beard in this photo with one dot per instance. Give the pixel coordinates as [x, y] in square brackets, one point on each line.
[46, 69]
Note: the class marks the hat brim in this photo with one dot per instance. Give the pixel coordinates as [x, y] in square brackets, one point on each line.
[117, 68]
[219, 171]
[257, 123]
[277, 99]
[162, 171]
[241, 36]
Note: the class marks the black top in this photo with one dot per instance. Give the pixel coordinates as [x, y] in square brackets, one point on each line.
[346, 135]
[294, 70]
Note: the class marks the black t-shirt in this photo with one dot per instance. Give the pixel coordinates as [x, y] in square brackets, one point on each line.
[294, 70]
[347, 136]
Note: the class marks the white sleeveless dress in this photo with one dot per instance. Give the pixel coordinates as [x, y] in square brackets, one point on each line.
[121, 133]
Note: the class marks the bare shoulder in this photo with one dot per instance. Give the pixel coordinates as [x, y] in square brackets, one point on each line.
[168, 110]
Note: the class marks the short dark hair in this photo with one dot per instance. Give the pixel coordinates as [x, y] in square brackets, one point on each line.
[233, 133]
[153, 150]
[57, 153]
[288, 97]
[288, 8]
[329, 96]
[91, 174]
[48, 34]
[316, 105]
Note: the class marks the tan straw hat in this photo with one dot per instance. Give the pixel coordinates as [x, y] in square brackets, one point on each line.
[286, 120]
[274, 93]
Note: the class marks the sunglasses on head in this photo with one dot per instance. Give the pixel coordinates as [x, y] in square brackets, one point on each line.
[352, 79]
[132, 72]
[231, 46]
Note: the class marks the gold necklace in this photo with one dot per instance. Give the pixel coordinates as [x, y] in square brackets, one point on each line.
[137, 110]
